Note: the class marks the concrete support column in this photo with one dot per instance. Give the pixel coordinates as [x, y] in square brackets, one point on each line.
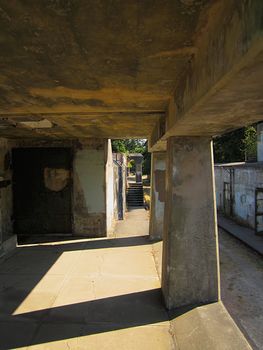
[190, 251]
[157, 195]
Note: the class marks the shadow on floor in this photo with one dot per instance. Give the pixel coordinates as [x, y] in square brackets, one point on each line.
[36, 260]
[23, 271]
[92, 243]
[82, 319]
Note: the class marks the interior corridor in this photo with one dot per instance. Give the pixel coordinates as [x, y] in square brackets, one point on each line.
[85, 294]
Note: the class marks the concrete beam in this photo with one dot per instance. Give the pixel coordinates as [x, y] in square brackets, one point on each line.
[221, 87]
[190, 249]
[157, 195]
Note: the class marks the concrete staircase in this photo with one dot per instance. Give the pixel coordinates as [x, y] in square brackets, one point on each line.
[135, 195]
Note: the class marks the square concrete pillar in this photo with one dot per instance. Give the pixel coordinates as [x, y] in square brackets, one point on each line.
[157, 195]
[190, 273]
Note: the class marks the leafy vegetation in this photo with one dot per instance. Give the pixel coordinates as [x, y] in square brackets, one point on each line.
[128, 146]
[237, 146]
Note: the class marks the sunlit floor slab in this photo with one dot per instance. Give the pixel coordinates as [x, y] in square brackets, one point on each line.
[85, 294]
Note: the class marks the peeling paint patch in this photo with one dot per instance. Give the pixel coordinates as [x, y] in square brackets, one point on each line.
[56, 179]
[42, 124]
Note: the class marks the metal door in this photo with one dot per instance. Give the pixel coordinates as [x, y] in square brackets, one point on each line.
[42, 189]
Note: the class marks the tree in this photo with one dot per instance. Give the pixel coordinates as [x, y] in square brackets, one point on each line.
[250, 143]
[236, 146]
[128, 146]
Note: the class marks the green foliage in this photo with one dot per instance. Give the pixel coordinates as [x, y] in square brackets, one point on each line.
[134, 146]
[118, 146]
[236, 146]
[250, 143]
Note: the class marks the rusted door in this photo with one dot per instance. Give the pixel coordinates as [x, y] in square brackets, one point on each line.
[42, 189]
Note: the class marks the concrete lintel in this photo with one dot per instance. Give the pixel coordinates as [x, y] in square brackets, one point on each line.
[221, 89]
[234, 101]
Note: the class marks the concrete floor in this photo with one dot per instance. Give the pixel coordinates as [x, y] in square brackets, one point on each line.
[242, 286]
[86, 294]
[105, 293]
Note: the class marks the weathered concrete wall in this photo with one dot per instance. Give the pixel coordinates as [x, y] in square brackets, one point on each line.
[88, 174]
[157, 194]
[94, 205]
[245, 179]
[89, 208]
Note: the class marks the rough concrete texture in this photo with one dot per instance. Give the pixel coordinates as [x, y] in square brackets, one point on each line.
[208, 327]
[241, 289]
[89, 192]
[88, 208]
[241, 286]
[191, 268]
[101, 294]
[157, 194]
[220, 88]
[244, 181]
[66, 63]
[86, 294]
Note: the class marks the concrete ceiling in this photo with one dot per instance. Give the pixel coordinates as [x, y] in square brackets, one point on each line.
[135, 68]
[94, 68]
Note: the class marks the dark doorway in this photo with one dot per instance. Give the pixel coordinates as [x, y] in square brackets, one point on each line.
[42, 188]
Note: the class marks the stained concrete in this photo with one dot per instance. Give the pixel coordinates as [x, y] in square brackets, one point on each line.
[86, 294]
[100, 69]
[241, 289]
[191, 262]
[220, 88]
[89, 198]
[243, 179]
[101, 294]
